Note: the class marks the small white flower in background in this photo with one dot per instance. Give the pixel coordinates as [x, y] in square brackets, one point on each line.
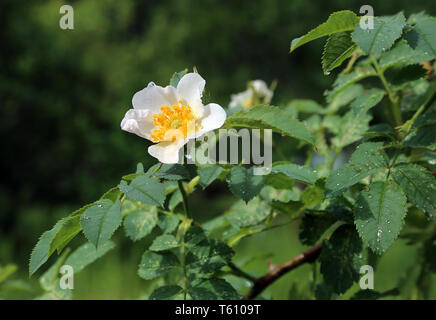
[257, 92]
[171, 116]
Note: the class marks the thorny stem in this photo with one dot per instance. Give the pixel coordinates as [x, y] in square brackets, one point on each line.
[277, 271]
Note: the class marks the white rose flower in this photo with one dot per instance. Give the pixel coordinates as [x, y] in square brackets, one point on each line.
[257, 92]
[171, 116]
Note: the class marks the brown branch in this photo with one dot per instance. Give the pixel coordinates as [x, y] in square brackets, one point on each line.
[276, 271]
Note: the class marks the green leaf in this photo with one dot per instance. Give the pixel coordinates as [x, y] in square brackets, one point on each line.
[174, 81]
[301, 173]
[341, 259]
[87, 254]
[402, 55]
[154, 264]
[367, 100]
[247, 214]
[312, 196]
[164, 242]
[41, 252]
[213, 289]
[291, 208]
[48, 279]
[379, 214]
[100, 221]
[345, 80]
[381, 38]
[366, 159]
[351, 129]
[209, 174]
[369, 294]
[338, 48]
[243, 183]
[112, 194]
[145, 189]
[304, 106]
[419, 185]
[166, 293]
[269, 117]
[69, 229]
[337, 22]
[427, 118]
[423, 36]
[173, 172]
[313, 227]
[140, 222]
[424, 137]
[205, 256]
[168, 223]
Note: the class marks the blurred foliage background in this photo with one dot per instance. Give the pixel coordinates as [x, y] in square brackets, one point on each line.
[64, 92]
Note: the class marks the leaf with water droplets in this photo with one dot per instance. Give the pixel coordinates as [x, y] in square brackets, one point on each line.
[164, 242]
[380, 38]
[379, 214]
[145, 189]
[301, 173]
[367, 159]
[167, 293]
[155, 264]
[140, 220]
[212, 289]
[341, 259]
[100, 221]
[419, 185]
[243, 183]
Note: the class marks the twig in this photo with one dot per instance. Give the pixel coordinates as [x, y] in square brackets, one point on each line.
[277, 271]
[238, 272]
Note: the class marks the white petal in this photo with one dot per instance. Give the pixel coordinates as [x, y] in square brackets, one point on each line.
[244, 98]
[153, 97]
[262, 90]
[139, 122]
[167, 152]
[213, 118]
[190, 89]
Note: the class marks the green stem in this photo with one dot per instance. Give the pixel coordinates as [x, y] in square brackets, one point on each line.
[394, 106]
[185, 199]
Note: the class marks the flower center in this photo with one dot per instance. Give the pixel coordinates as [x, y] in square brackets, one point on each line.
[173, 123]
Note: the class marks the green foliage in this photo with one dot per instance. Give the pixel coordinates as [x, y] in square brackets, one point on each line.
[419, 186]
[367, 159]
[337, 22]
[301, 173]
[100, 221]
[341, 259]
[380, 38]
[145, 189]
[244, 183]
[338, 48]
[209, 174]
[341, 207]
[153, 264]
[268, 117]
[140, 220]
[379, 214]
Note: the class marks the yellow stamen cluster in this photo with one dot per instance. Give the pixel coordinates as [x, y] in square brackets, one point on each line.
[176, 118]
